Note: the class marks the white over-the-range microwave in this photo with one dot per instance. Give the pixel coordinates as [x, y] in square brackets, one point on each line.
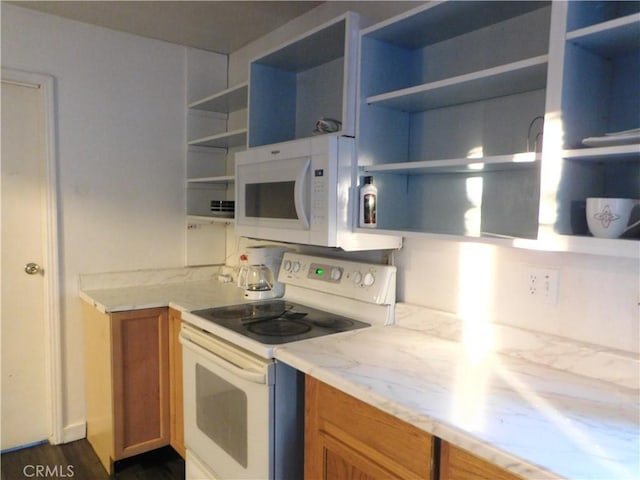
[303, 191]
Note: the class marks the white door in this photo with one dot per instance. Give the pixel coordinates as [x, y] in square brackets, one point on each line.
[25, 403]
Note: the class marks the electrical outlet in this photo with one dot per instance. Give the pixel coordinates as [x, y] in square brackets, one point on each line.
[543, 284]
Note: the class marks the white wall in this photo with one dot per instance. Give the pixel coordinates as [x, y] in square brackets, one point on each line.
[121, 152]
[598, 297]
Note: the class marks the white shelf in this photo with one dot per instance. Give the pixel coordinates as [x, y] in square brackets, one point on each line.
[224, 179]
[229, 100]
[207, 219]
[221, 179]
[205, 150]
[461, 165]
[611, 37]
[598, 154]
[517, 77]
[316, 47]
[439, 21]
[622, 248]
[234, 138]
[616, 247]
[208, 159]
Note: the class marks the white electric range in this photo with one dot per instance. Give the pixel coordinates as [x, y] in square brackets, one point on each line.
[244, 412]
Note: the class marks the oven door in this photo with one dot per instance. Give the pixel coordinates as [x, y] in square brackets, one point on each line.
[228, 406]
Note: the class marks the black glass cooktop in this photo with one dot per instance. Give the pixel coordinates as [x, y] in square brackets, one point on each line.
[274, 322]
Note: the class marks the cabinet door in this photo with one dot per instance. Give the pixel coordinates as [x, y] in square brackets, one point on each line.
[342, 462]
[348, 439]
[458, 464]
[140, 356]
[175, 371]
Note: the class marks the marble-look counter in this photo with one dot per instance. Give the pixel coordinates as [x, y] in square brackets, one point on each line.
[533, 420]
[185, 289]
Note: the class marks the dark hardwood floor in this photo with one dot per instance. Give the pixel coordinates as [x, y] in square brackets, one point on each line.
[76, 460]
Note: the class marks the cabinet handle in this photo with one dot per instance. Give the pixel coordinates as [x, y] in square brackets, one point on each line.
[275, 152]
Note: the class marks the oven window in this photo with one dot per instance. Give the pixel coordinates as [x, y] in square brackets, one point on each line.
[270, 200]
[221, 413]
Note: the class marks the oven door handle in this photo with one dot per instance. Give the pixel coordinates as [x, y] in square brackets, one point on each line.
[209, 354]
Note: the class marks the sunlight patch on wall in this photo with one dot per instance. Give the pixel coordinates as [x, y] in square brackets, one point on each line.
[475, 290]
[551, 172]
[476, 152]
[473, 215]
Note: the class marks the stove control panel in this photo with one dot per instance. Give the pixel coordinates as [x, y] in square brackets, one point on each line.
[325, 272]
[361, 281]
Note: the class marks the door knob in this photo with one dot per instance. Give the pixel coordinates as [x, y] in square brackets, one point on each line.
[32, 268]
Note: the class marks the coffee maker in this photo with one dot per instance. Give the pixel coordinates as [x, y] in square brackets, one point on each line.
[258, 273]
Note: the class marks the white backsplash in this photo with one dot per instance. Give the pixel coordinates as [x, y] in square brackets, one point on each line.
[597, 300]
[587, 360]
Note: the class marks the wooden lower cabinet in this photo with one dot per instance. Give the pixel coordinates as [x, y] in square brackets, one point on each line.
[176, 403]
[349, 439]
[458, 464]
[127, 382]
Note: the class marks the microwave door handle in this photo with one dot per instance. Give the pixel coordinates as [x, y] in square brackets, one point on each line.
[300, 194]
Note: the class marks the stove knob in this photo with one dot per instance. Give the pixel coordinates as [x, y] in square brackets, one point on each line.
[296, 266]
[357, 278]
[287, 265]
[336, 274]
[369, 279]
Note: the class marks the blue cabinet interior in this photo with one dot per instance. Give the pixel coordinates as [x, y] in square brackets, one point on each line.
[600, 95]
[448, 83]
[294, 86]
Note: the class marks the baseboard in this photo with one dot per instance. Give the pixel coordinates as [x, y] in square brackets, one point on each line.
[20, 447]
[70, 433]
[74, 432]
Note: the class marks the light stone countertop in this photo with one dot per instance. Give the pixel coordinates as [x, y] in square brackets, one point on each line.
[184, 289]
[185, 297]
[530, 419]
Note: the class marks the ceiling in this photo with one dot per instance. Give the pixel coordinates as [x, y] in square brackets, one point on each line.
[219, 26]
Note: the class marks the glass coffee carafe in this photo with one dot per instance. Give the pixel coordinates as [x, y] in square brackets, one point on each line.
[255, 278]
[258, 272]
